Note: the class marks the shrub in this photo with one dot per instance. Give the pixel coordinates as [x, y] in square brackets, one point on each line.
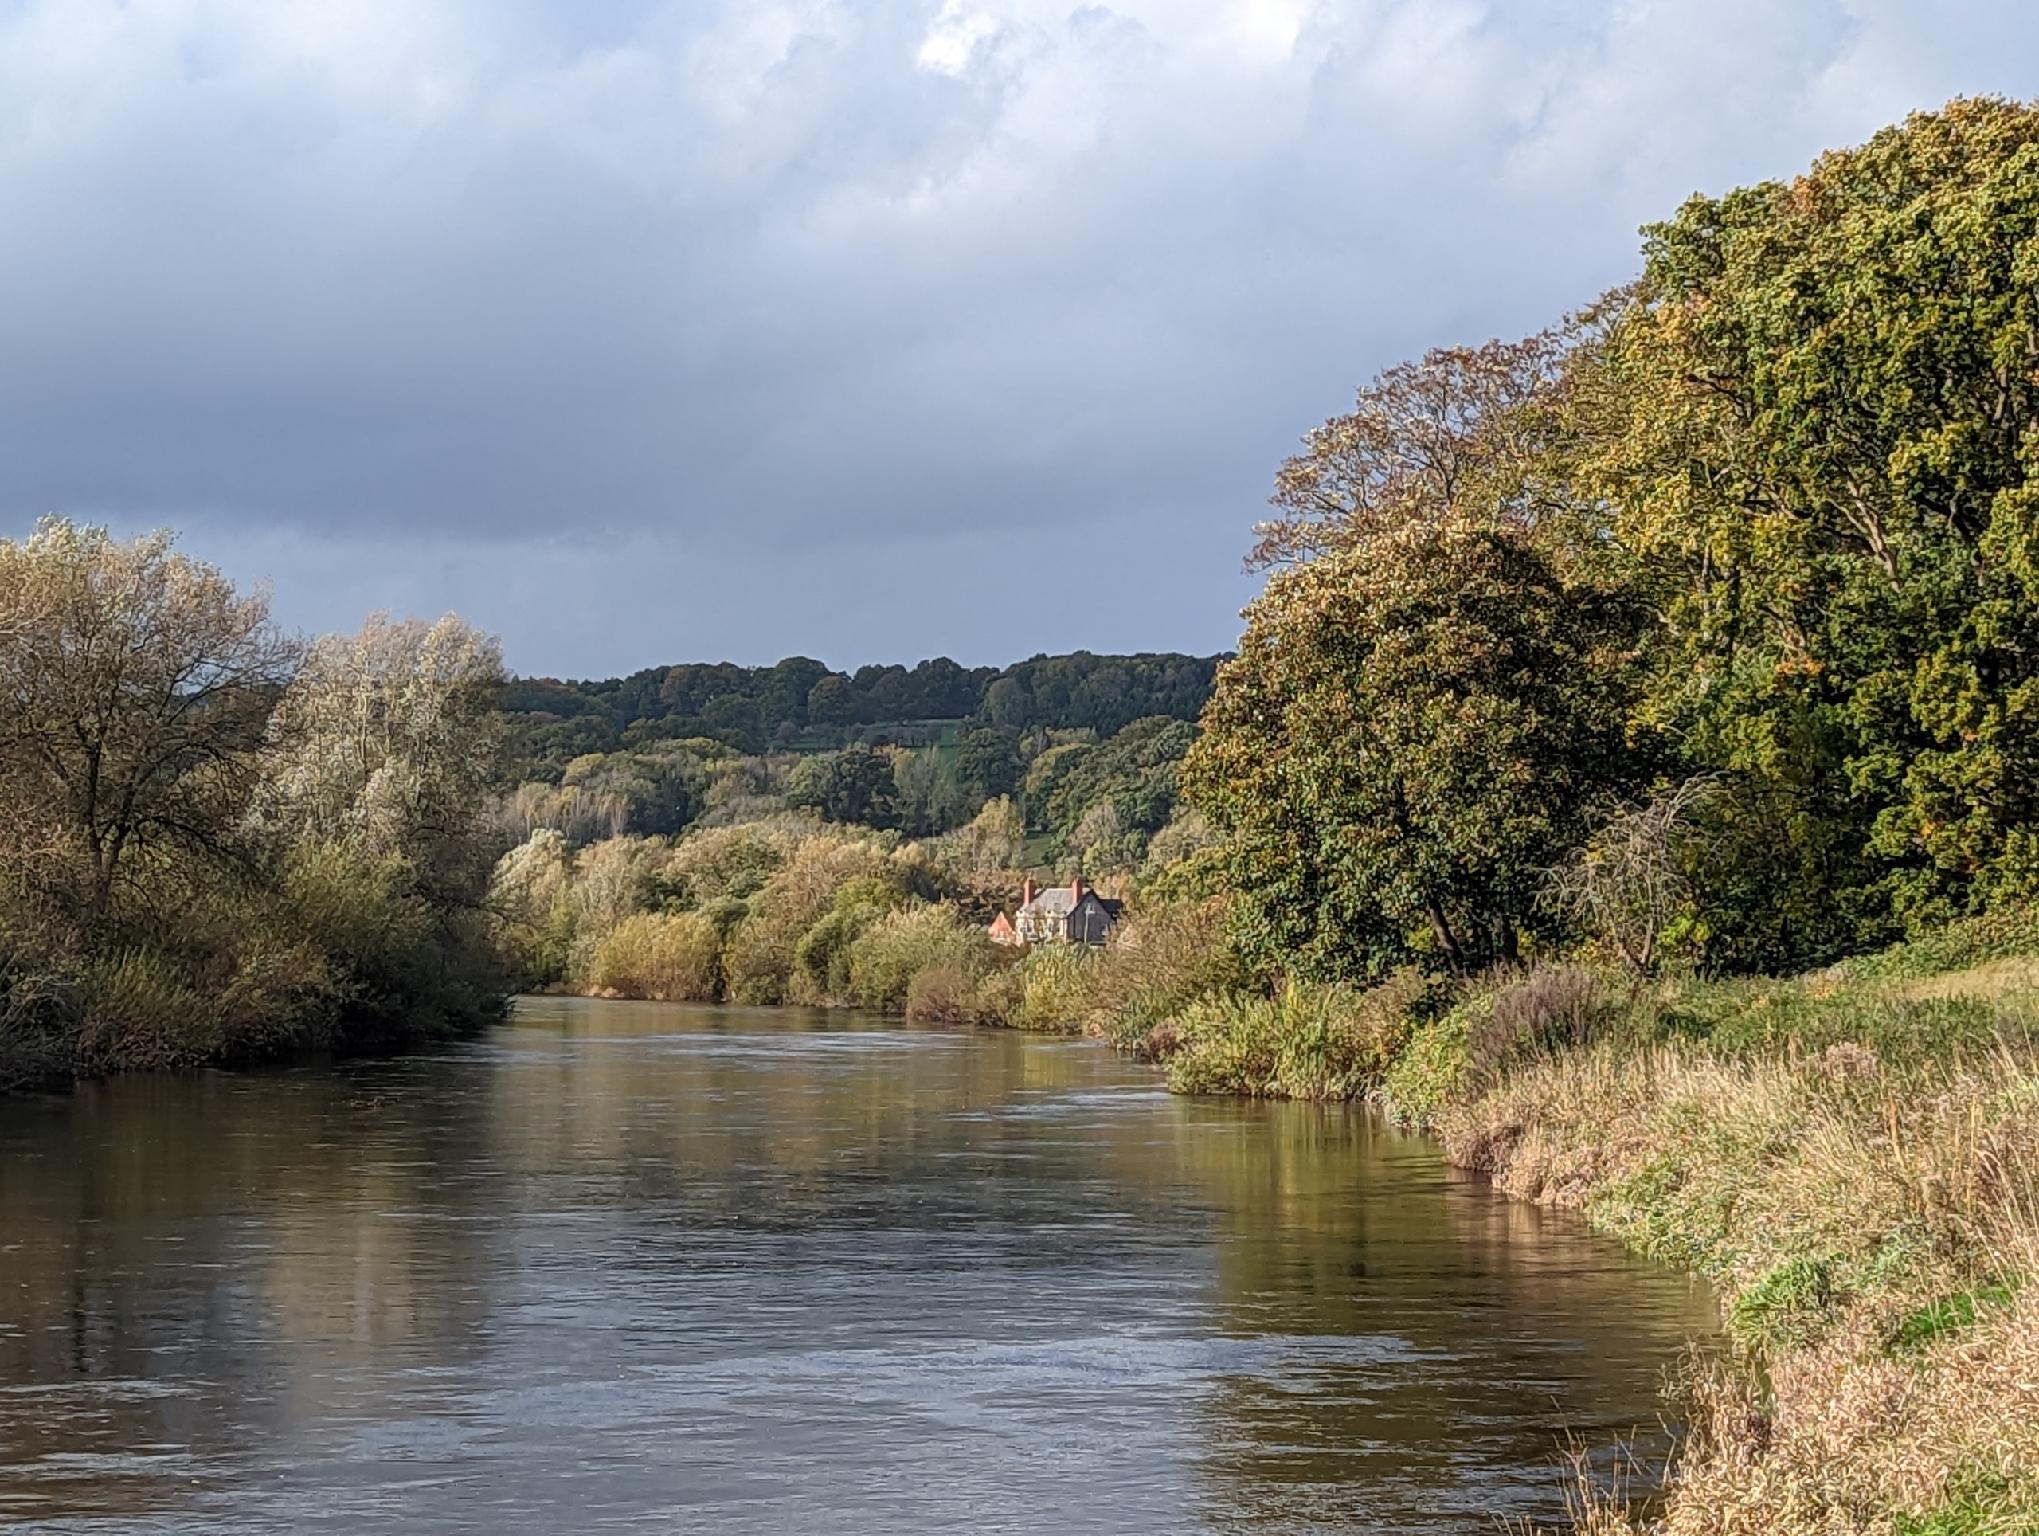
[611, 880]
[38, 1019]
[758, 962]
[529, 894]
[1547, 1009]
[1000, 992]
[713, 862]
[2010, 932]
[398, 968]
[821, 960]
[1305, 1042]
[1156, 964]
[1057, 983]
[277, 994]
[949, 994]
[666, 957]
[141, 1013]
[1431, 1072]
[899, 946]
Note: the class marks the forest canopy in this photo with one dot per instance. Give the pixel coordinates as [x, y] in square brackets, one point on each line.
[800, 704]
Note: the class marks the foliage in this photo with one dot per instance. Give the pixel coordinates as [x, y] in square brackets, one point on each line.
[1109, 800]
[1103, 694]
[759, 960]
[1461, 428]
[994, 840]
[138, 687]
[1810, 421]
[390, 738]
[928, 792]
[1159, 960]
[222, 846]
[754, 709]
[662, 956]
[853, 785]
[1408, 738]
[1056, 985]
[887, 957]
[1308, 1041]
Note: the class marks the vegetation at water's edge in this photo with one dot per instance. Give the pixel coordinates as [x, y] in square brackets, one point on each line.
[220, 844]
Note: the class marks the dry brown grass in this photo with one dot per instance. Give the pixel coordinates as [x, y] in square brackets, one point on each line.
[1854, 1440]
[1873, 1238]
[1992, 981]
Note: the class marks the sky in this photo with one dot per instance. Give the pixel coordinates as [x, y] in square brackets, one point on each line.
[862, 329]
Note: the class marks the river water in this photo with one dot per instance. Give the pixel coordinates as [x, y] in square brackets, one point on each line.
[629, 1267]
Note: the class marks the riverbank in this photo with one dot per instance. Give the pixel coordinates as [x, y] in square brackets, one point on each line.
[1850, 1158]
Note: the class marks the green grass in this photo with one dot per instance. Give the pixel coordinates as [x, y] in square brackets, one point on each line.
[1949, 1315]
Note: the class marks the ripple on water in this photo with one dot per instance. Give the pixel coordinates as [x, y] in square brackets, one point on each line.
[628, 1267]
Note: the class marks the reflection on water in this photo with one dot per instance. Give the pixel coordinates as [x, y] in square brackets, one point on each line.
[630, 1267]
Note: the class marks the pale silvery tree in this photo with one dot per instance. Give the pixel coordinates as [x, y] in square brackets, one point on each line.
[390, 739]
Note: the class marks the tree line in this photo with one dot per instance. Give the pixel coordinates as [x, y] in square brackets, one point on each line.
[801, 703]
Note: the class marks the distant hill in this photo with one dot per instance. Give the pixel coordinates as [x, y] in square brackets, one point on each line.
[800, 704]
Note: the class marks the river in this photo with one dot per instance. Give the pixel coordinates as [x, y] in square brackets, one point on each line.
[630, 1267]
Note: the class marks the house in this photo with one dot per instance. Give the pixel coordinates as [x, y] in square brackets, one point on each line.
[1061, 914]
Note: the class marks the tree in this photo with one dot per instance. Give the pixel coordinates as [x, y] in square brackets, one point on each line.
[832, 701]
[390, 739]
[1133, 772]
[995, 839]
[1630, 886]
[987, 761]
[1046, 774]
[1407, 739]
[1812, 420]
[928, 795]
[1462, 428]
[853, 785]
[136, 684]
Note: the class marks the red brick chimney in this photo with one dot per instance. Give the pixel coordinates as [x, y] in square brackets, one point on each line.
[1027, 891]
[1076, 890]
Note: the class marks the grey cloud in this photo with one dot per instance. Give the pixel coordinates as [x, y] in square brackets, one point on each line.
[870, 329]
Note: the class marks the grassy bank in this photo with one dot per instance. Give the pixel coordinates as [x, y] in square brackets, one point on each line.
[1850, 1157]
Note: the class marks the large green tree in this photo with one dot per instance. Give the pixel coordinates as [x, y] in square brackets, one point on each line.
[1811, 423]
[853, 785]
[1405, 743]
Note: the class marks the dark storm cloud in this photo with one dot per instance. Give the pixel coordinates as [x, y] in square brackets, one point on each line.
[641, 331]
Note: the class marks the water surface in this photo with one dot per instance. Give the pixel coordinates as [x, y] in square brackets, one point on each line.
[628, 1267]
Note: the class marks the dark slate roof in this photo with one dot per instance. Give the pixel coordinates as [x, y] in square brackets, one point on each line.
[1056, 901]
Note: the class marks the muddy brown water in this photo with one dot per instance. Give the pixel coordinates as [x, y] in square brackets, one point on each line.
[630, 1267]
